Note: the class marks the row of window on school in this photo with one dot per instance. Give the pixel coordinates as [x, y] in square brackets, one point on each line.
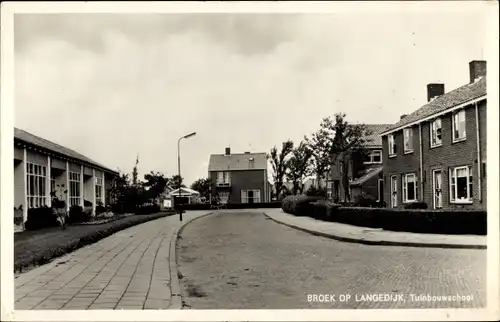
[458, 131]
[36, 176]
[460, 186]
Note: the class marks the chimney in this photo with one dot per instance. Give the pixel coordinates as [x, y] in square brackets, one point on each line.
[247, 152]
[228, 151]
[403, 116]
[434, 90]
[477, 68]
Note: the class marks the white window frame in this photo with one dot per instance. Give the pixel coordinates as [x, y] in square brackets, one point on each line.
[98, 190]
[408, 138]
[372, 154]
[405, 187]
[223, 178]
[394, 191]
[436, 206]
[435, 142]
[454, 187]
[245, 198]
[74, 188]
[391, 140]
[455, 118]
[38, 173]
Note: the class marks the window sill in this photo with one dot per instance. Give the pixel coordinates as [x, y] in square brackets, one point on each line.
[460, 202]
[408, 152]
[436, 146]
[409, 201]
[458, 140]
[392, 156]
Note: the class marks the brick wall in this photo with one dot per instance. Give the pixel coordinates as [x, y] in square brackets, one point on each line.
[444, 157]
[400, 164]
[241, 180]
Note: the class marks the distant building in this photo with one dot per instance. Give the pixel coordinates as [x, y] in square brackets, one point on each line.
[239, 178]
[365, 173]
[40, 165]
[437, 154]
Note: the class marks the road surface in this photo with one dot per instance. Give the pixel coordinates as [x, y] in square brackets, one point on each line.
[242, 260]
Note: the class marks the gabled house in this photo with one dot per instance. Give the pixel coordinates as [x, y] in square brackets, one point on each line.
[437, 154]
[239, 178]
[40, 165]
[365, 171]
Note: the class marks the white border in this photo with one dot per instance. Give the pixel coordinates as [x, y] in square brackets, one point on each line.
[490, 10]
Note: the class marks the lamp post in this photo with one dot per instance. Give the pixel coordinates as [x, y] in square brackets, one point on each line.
[179, 167]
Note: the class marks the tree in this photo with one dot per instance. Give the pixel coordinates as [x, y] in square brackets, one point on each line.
[349, 140]
[177, 181]
[155, 182]
[59, 204]
[299, 165]
[279, 163]
[203, 187]
[135, 172]
[322, 146]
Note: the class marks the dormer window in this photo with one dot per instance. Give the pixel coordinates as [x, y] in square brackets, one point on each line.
[392, 145]
[408, 140]
[374, 157]
[436, 133]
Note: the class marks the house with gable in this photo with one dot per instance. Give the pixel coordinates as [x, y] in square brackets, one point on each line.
[239, 177]
[437, 154]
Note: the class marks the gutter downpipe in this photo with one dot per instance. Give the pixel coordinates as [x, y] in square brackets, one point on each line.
[421, 162]
[479, 164]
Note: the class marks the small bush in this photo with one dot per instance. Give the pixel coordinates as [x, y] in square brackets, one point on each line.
[416, 205]
[323, 210]
[39, 218]
[365, 200]
[77, 215]
[147, 209]
[298, 205]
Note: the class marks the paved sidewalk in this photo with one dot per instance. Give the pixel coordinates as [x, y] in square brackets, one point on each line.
[373, 236]
[127, 270]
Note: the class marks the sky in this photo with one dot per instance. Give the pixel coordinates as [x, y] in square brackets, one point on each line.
[117, 86]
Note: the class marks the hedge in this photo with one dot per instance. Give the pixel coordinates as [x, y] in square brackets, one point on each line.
[39, 218]
[456, 222]
[206, 206]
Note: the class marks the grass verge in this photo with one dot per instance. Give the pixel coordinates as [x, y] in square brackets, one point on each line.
[33, 248]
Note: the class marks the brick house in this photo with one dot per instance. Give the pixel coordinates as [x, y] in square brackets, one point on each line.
[364, 172]
[40, 165]
[239, 178]
[437, 154]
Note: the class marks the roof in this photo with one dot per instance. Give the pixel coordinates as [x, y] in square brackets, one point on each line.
[32, 139]
[239, 161]
[461, 95]
[374, 139]
[184, 191]
[368, 174]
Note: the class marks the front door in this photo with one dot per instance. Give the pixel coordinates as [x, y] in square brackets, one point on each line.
[437, 181]
[250, 196]
[394, 191]
[381, 191]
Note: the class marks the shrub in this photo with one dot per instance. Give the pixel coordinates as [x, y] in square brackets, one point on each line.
[365, 200]
[147, 209]
[298, 205]
[316, 192]
[416, 205]
[414, 220]
[39, 218]
[99, 210]
[77, 215]
[323, 209]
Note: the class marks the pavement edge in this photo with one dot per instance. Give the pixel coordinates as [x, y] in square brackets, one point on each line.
[378, 242]
[175, 288]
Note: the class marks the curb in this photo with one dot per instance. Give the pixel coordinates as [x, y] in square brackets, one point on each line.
[175, 288]
[379, 242]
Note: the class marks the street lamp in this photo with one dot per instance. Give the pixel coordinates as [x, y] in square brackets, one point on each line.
[179, 167]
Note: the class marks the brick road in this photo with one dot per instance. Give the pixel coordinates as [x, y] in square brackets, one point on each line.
[128, 270]
[243, 260]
